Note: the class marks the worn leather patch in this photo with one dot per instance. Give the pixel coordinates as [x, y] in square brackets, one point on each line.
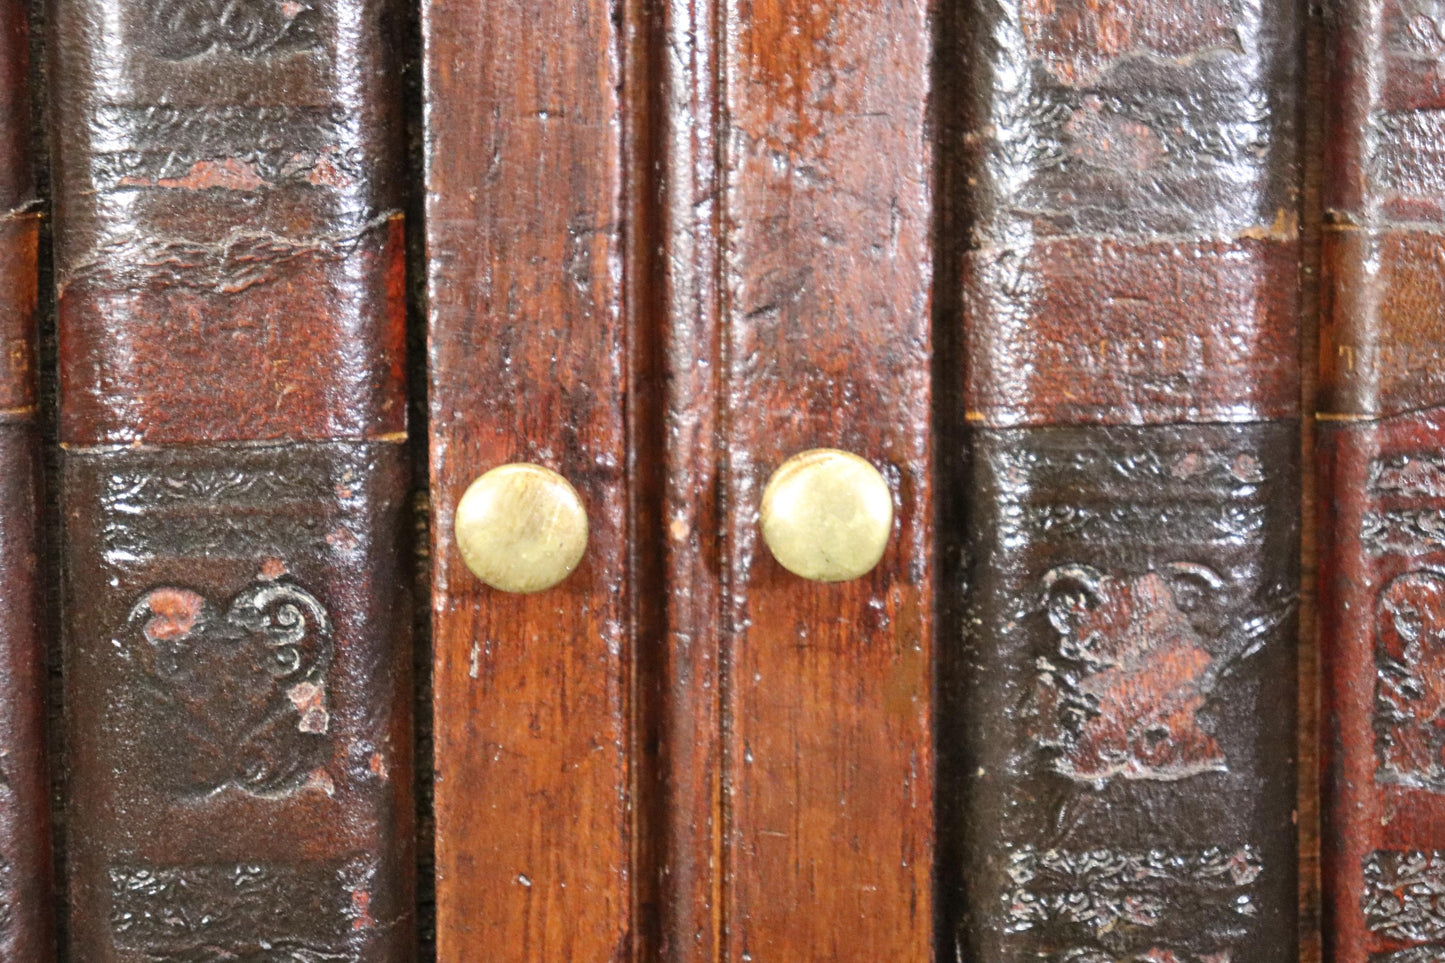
[19, 288]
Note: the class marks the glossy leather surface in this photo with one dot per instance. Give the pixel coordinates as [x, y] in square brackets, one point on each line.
[1117, 677]
[230, 283]
[1381, 455]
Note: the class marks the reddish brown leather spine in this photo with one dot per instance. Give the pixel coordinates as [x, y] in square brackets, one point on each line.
[230, 297]
[1381, 443]
[25, 881]
[1117, 697]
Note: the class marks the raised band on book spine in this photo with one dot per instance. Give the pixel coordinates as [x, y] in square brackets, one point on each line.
[1118, 677]
[231, 311]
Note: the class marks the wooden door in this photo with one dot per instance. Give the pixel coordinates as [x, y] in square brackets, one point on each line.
[671, 245]
[536, 740]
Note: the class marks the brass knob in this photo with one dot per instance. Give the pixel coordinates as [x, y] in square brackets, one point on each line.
[521, 528]
[826, 515]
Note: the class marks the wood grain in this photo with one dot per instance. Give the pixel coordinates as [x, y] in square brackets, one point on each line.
[525, 251]
[690, 663]
[826, 266]
[762, 287]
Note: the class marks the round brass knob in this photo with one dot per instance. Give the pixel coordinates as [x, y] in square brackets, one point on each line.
[826, 515]
[521, 528]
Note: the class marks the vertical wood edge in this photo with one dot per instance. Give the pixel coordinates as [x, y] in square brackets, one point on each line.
[828, 765]
[528, 236]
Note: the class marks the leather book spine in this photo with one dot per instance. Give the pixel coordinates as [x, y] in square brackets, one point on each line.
[1381, 463]
[230, 297]
[1117, 688]
[25, 879]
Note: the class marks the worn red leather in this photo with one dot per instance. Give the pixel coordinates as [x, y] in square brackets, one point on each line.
[1381, 444]
[231, 324]
[1117, 684]
[25, 880]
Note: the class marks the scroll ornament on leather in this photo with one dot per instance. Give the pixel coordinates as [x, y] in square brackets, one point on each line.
[235, 593]
[1410, 689]
[1132, 594]
[1383, 621]
[236, 695]
[1123, 695]
[180, 29]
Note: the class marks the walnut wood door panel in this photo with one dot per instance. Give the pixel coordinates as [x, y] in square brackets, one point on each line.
[527, 351]
[669, 246]
[825, 227]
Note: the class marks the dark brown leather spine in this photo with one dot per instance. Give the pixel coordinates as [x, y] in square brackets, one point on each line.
[230, 297]
[1118, 699]
[25, 891]
[1381, 443]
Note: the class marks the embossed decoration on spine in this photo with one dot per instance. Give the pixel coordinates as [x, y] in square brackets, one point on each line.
[242, 911]
[1381, 448]
[1100, 891]
[177, 29]
[237, 696]
[1410, 686]
[1118, 194]
[1116, 743]
[1404, 901]
[1131, 675]
[231, 324]
[238, 671]
[1121, 675]
[1383, 610]
[239, 147]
